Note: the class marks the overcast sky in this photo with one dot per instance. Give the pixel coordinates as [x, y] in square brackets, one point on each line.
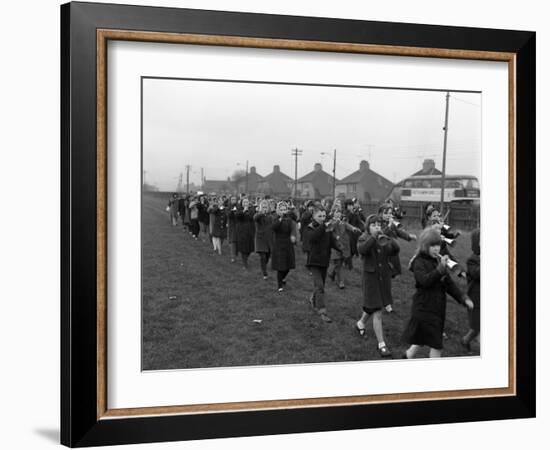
[218, 126]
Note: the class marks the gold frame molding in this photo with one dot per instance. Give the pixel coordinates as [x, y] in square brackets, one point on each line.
[103, 36]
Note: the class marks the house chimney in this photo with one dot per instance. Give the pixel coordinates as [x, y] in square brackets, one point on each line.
[253, 169]
[276, 169]
[317, 167]
[364, 165]
[428, 165]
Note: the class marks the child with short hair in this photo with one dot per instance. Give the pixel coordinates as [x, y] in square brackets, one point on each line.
[375, 249]
[320, 241]
[340, 231]
[473, 266]
[429, 305]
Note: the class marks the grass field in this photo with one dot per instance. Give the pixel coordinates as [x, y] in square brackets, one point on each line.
[201, 310]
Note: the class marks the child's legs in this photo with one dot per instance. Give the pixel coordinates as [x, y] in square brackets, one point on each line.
[217, 244]
[263, 262]
[244, 257]
[233, 249]
[363, 319]
[377, 326]
[412, 350]
[319, 275]
[281, 275]
[338, 270]
[194, 227]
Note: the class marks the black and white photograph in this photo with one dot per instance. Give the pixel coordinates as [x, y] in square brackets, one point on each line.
[293, 223]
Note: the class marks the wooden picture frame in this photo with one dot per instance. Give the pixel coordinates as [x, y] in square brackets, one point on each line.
[86, 418]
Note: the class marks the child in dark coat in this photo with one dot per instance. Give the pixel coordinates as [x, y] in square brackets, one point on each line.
[245, 230]
[284, 239]
[393, 230]
[264, 235]
[232, 227]
[320, 240]
[473, 266]
[218, 225]
[429, 305]
[375, 249]
[341, 228]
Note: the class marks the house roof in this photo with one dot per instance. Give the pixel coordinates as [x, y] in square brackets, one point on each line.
[276, 181]
[375, 184]
[359, 175]
[321, 180]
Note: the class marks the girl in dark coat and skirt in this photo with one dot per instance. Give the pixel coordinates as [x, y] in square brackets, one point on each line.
[433, 283]
[375, 249]
[393, 230]
[232, 227]
[218, 224]
[264, 235]
[284, 238]
[245, 230]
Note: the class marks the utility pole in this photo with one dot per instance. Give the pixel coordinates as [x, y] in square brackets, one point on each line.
[202, 179]
[446, 129]
[333, 173]
[246, 185]
[188, 167]
[334, 178]
[296, 153]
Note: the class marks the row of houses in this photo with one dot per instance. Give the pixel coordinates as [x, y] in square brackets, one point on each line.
[363, 184]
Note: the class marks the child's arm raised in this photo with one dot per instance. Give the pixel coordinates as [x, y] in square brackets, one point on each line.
[425, 274]
[365, 243]
[315, 233]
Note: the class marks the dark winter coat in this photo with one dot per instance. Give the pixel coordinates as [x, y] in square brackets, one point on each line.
[282, 256]
[218, 222]
[245, 230]
[429, 303]
[376, 279]
[474, 271]
[231, 225]
[264, 233]
[356, 219]
[341, 234]
[320, 240]
[305, 220]
[204, 217]
[181, 207]
[394, 232]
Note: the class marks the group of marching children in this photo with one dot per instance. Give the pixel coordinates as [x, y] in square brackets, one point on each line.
[330, 237]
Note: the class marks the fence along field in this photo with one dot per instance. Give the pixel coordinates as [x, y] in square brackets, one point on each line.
[200, 310]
